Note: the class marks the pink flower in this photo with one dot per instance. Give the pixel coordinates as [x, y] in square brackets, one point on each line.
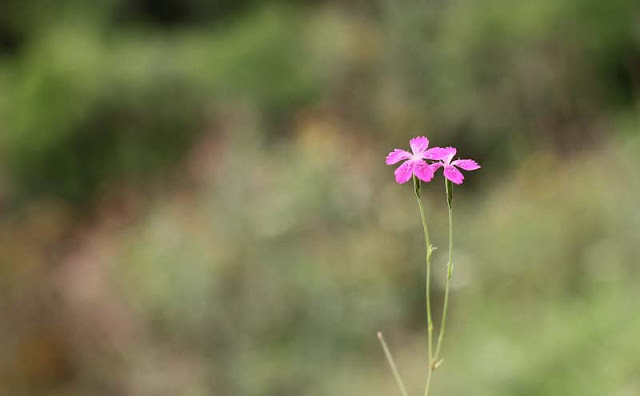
[445, 155]
[415, 164]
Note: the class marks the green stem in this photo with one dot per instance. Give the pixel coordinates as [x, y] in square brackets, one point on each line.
[396, 373]
[443, 324]
[426, 389]
[427, 241]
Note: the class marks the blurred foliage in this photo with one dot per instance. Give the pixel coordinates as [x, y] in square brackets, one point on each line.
[194, 199]
[84, 108]
[523, 74]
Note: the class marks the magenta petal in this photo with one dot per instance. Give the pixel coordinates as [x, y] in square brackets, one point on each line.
[422, 170]
[440, 154]
[453, 174]
[396, 156]
[419, 144]
[436, 165]
[436, 153]
[466, 164]
[451, 151]
[404, 172]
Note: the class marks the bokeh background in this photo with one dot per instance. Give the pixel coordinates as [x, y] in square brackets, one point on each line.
[194, 200]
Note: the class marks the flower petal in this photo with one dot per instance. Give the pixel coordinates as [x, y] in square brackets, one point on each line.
[453, 174]
[441, 154]
[419, 144]
[466, 164]
[396, 156]
[436, 165]
[451, 151]
[435, 153]
[404, 172]
[422, 170]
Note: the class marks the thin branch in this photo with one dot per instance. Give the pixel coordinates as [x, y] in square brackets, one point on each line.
[396, 374]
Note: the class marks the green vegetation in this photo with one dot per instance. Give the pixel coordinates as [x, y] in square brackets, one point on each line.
[194, 197]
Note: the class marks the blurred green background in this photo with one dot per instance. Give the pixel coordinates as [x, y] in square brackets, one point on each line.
[194, 200]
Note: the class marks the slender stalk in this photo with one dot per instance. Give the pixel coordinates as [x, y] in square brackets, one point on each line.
[429, 248]
[426, 389]
[396, 373]
[427, 241]
[443, 324]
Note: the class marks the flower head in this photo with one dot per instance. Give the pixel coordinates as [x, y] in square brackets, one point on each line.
[451, 172]
[415, 163]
